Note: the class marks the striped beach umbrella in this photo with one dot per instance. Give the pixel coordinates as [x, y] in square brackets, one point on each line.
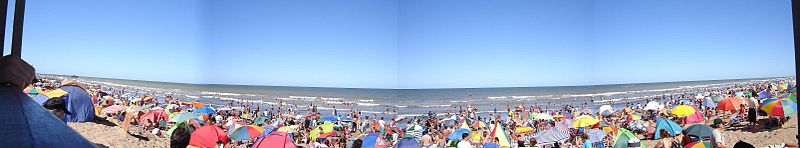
[781, 108]
[246, 133]
[551, 136]
[790, 96]
[699, 144]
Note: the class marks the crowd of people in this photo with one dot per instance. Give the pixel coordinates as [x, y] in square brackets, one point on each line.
[674, 120]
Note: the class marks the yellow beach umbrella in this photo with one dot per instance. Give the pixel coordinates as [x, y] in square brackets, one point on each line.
[558, 116]
[683, 110]
[584, 121]
[522, 130]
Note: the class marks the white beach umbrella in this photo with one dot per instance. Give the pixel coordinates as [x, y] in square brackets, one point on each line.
[653, 106]
[605, 108]
[543, 117]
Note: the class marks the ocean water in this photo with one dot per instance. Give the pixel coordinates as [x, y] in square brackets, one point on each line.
[420, 101]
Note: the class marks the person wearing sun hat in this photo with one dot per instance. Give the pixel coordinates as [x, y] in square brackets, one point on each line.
[57, 106]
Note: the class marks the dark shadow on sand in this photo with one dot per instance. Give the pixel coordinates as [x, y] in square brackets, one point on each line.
[104, 121]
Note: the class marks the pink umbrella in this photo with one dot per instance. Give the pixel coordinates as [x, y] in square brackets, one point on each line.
[113, 109]
[275, 140]
[697, 117]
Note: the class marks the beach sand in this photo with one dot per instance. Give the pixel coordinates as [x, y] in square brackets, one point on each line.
[106, 133]
[758, 135]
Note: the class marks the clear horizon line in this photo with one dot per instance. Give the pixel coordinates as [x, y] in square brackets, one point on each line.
[421, 88]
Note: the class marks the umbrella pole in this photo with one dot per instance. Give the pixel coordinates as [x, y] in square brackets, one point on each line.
[796, 23]
[3, 13]
[16, 38]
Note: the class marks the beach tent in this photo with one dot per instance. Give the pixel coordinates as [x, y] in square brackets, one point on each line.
[372, 140]
[668, 125]
[499, 133]
[699, 130]
[729, 104]
[208, 136]
[622, 138]
[551, 136]
[456, 135]
[696, 117]
[275, 140]
[27, 124]
[79, 103]
[407, 142]
[605, 110]
[40, 98]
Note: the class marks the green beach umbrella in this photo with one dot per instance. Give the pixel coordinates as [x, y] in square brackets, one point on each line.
[327, 127]
[143, 107]
[183, 116]
[179, 125]
[699, 130]
[260, 119]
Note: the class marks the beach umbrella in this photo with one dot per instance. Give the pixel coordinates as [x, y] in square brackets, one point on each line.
[584, 121]
[523, 130]
[204, 110]
[696, 117]
[729, 104]
[653, 106]
[287, 129]
[347, 119]
[479, 124]
[683, 110]
[321, 129]
[179, 125]
[780, 108]
[699, 130]
[543, 117]
[183, 116]
[491, 145]
[208, 136]
[407, 142]
[790, 96]
[275, 140]
[632, 117]
[198, 105]
[699, 144]
[558, 116]
[551, 136]
[605, 110]
[499, 133]
[329, 118]
[399, 118]
[143, 108]
[609, 129]
[153, 116]
[456, 135]
[596, 134]
[622, 138]
[260, 119]
[246, 133]
[665, 124]
[113, 109]
[268, 129]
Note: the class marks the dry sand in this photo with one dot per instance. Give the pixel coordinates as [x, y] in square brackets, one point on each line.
[106, 133]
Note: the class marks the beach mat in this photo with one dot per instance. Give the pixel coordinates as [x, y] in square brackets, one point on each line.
[27, 124]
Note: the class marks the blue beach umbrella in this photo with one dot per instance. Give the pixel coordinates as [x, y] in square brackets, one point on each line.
[330, 118]
[205, 110]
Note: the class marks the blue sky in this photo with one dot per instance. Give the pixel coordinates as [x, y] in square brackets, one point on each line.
[411, 43]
